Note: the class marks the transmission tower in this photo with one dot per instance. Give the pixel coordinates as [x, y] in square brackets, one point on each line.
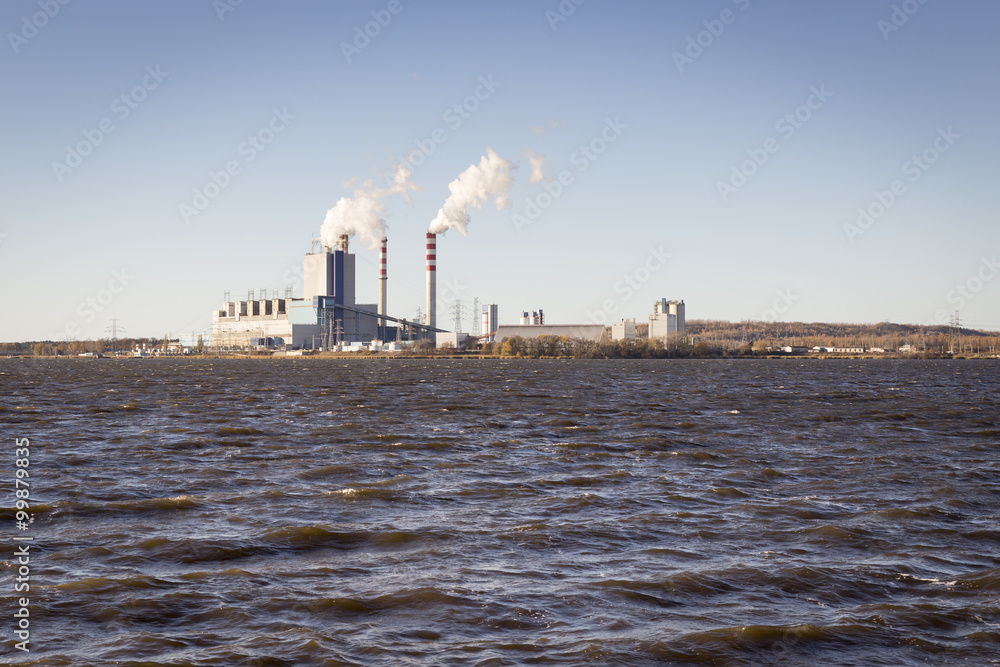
[114, 328]
[338, 331]
[476, 318]
[958, 330]
[457, 311]
[951, 332]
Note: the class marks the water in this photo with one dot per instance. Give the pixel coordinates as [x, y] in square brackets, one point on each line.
[467, 512]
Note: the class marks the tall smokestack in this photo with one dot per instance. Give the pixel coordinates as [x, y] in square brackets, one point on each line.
[343, 242]
[431, 279]
[382, 277]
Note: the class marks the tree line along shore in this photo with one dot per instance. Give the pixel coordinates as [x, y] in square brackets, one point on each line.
[702, 339]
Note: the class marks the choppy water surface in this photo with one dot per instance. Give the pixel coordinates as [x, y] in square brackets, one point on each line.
[318, 512]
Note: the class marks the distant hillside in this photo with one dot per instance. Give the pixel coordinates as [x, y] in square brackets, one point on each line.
[886, 335]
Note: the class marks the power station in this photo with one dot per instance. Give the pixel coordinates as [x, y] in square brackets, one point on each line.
[327, 315]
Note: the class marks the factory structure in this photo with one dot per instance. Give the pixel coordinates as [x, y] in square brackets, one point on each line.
[490, 321]
[328, 316]
[584, 331]
[666, 320]
[535, 317]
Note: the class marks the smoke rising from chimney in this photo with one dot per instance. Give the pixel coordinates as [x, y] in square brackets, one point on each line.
[361, 215]
[489, 179]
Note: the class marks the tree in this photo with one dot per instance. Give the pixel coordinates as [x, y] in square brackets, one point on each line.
[424, 346]
[703, 350]
[512, 347]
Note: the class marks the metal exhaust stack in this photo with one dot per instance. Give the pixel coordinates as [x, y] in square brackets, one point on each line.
[343, 243]
[382, 277]
[431, 280]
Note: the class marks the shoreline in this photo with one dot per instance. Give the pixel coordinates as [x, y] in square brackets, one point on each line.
[481, 357]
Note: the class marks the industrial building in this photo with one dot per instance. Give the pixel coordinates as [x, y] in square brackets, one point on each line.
[326, 316]
[535, 317]
[585, 331]
[242, 324]
[490, 321]
[450, 339]
[624, 330]
[667, 318]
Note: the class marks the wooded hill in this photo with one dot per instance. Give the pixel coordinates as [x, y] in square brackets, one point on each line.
[887, 335]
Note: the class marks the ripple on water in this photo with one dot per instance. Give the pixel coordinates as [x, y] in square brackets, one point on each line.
[193, 512]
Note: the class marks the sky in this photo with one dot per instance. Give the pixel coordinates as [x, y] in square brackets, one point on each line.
[792, 161]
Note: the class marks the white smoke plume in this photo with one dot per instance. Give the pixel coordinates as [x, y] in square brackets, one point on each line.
[537, 163]
[361, 215]
[490, 178]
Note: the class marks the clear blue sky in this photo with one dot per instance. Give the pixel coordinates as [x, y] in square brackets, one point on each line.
[784, 244]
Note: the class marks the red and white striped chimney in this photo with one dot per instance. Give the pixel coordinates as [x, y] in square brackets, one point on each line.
[382, 276]
[431, 279]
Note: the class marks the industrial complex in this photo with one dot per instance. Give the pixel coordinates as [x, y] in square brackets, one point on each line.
[666, 320]
[328, 316]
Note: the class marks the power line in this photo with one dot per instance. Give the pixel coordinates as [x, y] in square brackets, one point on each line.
[458, 310]
[114, 327]
[476, 318]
